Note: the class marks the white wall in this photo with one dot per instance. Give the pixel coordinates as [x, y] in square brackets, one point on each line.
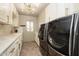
[51, 10]
[5, 29]
[60, 10]
[41, 17]
[28, 36]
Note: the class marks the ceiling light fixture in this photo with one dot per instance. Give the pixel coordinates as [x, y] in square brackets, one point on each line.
[31, 7]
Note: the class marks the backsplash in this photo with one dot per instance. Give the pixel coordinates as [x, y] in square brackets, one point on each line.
[5, 29]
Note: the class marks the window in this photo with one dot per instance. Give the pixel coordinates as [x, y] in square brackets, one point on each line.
[29, 25]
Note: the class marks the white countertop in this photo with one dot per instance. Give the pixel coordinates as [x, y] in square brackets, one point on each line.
[7, 40]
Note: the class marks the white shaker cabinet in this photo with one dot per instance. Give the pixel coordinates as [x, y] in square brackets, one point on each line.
[76, 7]
[4, 12]
[14, 49]
[15, 16]
[9, 14]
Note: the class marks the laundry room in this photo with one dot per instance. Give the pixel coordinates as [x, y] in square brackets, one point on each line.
[39, 29]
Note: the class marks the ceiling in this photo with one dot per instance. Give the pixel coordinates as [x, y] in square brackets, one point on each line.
[19, 7]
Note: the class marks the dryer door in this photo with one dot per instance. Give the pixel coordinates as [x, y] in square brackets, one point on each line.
[59, 34]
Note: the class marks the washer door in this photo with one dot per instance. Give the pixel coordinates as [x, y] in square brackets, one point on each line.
[59, 33]
[57, 42]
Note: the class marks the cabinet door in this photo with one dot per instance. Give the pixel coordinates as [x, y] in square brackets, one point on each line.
[20, 45]
[11, 49]
[16, 52]
[15, 48]
[76, 7]
[4, 12]
[10, 15]
[15, 16]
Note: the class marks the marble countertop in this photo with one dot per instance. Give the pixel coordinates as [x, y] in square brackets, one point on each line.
[7, 40]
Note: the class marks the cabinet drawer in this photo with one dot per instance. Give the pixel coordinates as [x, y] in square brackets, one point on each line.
[4, 54]
[14, 49]
[11, 50]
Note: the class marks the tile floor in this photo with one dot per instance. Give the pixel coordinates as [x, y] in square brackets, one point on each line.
[30, 49]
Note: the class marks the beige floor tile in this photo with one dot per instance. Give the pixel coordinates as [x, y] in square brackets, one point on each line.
[30, 49]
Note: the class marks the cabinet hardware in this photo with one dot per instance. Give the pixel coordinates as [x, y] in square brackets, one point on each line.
[12, 50]
[7, 19]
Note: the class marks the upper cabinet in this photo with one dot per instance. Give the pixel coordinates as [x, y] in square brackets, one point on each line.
[14, 16]
[4, 12]
[8, 14]
[57, 10]
[76, 7]
[41, 17]
[54, 10]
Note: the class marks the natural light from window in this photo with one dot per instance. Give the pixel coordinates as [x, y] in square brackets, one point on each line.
[29, 26]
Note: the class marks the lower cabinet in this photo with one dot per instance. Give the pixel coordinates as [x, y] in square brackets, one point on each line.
[15, 48]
